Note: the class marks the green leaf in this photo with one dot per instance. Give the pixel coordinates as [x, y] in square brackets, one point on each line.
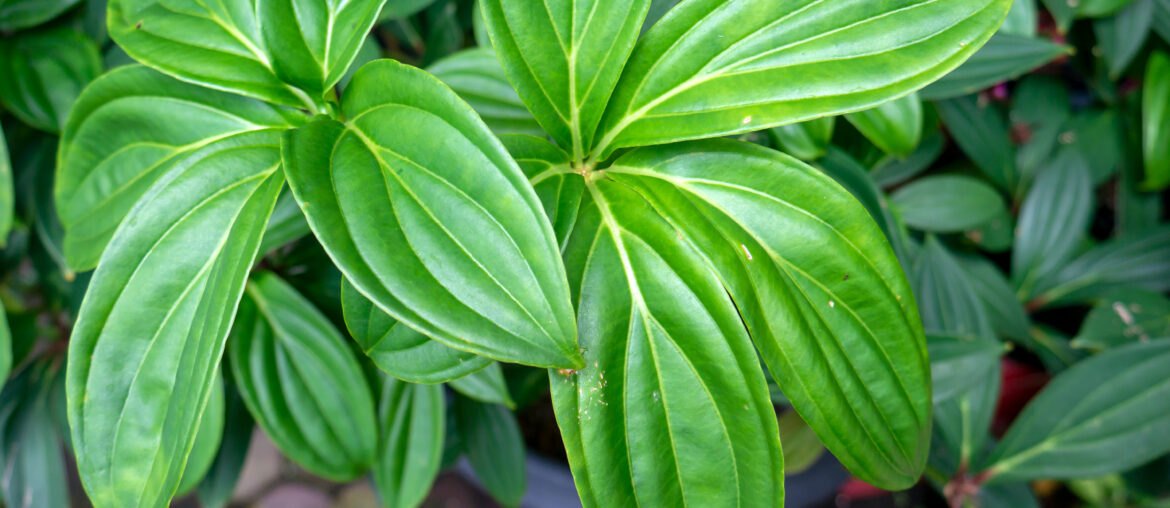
[207, 440]
[1053, 221]
[801, 446]
[1099, 8]
[7, 200]
[996, 235]
[558, 186]
[1063, 11]
[301, 382]
[853, 176]
[1022, 20]
[444, 31]
[31, 452]
[1005, 57]
[1008, 317]
[486, 385]
[1125, 316]
[217, 486]
[957, 363]
[151, 331]
[286, 224]
[841, 333]
[289, 52]
[494, 447]
[982, 132]
[18, 14]
[453, 242]
[128, 129]
[369, 51]
[946, 297]
[5, 347]
[44, 71]
[893, 169]
[1120, 37]
[1161, 23]
[962, 424]
[1156, 122]
[710, 67]
[476, 75]
[947, 203]
[39, 154]
[806, 141]
[398, 9]
[1040, 107]
[412, 422]
[1104, 131]
[895, 126]
[1117, 400]
[399, 350]
[565, 59]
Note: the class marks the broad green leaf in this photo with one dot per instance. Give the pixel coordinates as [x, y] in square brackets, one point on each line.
[207, 440]
[893, 170]
[982, 132]
[801, 446]
[217, 486]
[1006, 313]
[840, 333]
[957, 363]
[494, 447]
[1053, 221]
[454, 242]
[565, 59]
[853, 176]
[1099, 8]
[476, 75]
[996, 235]
[7, 200]
[895, 127]
[962, 424]
[1022, 19]
[946, 297]
[44, 71]
[1102, 130]
[144, 351]
[1004, 58]
[127, 130]
[486, 385]
[710, 68]
[1075, 427]
[558, 186]
[1120, 37]
[289, 52]
[31, 451]
[806, 141]
[1125, 316]
[399, 350]
[947, 203]
[18, 14]
[412, 420]
[301, 382]
[1040, 107]
[398, 9]
[286, 224]
[1156, 122]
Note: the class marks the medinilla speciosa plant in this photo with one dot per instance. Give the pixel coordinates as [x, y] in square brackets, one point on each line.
[647, 266]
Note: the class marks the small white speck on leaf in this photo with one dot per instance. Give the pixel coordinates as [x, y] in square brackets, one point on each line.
[746, 252]
[831, 304]
[747, 120]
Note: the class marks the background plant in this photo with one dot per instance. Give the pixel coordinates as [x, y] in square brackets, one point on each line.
[950, 224]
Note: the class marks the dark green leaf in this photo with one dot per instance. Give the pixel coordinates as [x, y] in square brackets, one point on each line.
[763, 221]
[494, 447]
[1040, 107]
[5, 347]
[895, 126]
[893, 170]
[453, 242]
[475, 75]
[301, 382]
[710, 67]
[565, 59]
[1008, 317]
[947, 203]
[1053, 221]
[143, 354]
[444, 33]
[981, 131]
[1022, 20]
[801, 446]
[805, 140]
[127, 130]
[286, 224]
[207, 440]
[1161, 22]
[1003, 58]
[1156, 122]
[551, 174]
[40, 154]
[996, 235]
[1099, 8]
[31, 452]
[18, 14]
[946, 297]
[1063, 11]
[957, 363]
[962, 424]
[1120, 37]
[485, 385]
[398, 9]
[44, 71]
[412, 420]
[1124, 316]
[1141, 262]
[217, 486]
[367, 52]
[1075, 427]
[1102, 131]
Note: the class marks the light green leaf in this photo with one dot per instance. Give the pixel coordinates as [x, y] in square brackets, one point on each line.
[801, 446]
[207, 440]
[44, 71]
[895, 127]
[1022, 20]
[399, 350]
[893, 169]
[485, 385]
[217, 486]
[454, 243]
[982, 132]
[1120, 37]
[947, 203]
[565, 59]
[7, 200]
[301, 381]
[840, 333]
[476, 75]
[125, 131]
[1117, 400]
[558, 186]
[806, 141]
[946, 297]
[1156, 122]
[957, 363]
[1053, 221]
[494, 447]
[412, 422]
[18, 14]
[710, 68]
[289, 52]
[1005, 57]
[1125, 316]
[151, 331]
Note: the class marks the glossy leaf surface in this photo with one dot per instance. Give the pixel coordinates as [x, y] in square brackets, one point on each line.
[301, 381]
[455, 243]
[147, 343]
[476, 75]
[1156, 122]
[565, 59]
[708, 68]
[412, 420]
[558, 186]
[806, 141]
[126, 131]
[44, 71]
[895, 127]
[1003, 58]
[947, 203]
